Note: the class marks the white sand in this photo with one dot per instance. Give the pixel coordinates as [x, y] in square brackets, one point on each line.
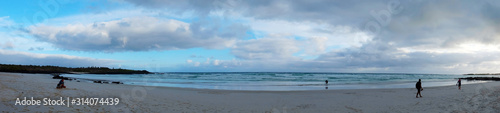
[472, 98]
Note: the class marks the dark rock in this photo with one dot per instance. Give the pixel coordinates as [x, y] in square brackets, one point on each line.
[60, 77]
[482, 78]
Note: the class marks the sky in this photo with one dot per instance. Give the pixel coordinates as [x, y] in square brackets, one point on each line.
[361, 36]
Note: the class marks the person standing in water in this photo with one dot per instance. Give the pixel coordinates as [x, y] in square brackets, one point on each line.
[459, 83]
[419, 87]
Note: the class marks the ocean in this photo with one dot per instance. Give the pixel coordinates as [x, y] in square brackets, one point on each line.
[280, 81]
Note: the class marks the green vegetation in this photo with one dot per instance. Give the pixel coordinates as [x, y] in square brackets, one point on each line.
[56, 69]
[482, 78]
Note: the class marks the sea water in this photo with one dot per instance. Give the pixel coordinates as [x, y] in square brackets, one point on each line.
[280, 81]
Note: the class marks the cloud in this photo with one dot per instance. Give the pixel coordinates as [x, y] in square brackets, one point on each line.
[138, 34]
[387, 59]
[441, 24]
[37, 48]
[323, 11]
[319, 37]
[25, 58]
[298, 35]
[216, 62]
[429, 36]
[7, 45]
[447, 17]
[14, 42]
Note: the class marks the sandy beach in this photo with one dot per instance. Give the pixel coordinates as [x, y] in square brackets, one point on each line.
[483, 97]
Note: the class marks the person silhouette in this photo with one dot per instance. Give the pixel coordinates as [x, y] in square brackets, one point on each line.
[419, 88]
[459, 83]
[326, 84]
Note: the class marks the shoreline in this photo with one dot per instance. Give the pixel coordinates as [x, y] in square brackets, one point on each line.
[472, 98]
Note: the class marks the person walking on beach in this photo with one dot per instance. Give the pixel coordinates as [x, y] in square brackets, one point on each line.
[419, 87]
[459, 83]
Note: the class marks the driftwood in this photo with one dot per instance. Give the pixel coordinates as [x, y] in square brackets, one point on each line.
[58, 76]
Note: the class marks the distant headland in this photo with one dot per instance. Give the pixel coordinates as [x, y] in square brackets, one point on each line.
[482, 74]
[56, 69]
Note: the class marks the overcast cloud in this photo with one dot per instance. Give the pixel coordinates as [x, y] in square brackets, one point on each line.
[430, 36]
[138, 34]
[447, 36]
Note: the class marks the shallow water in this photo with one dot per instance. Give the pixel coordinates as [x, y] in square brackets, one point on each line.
[282, 81]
